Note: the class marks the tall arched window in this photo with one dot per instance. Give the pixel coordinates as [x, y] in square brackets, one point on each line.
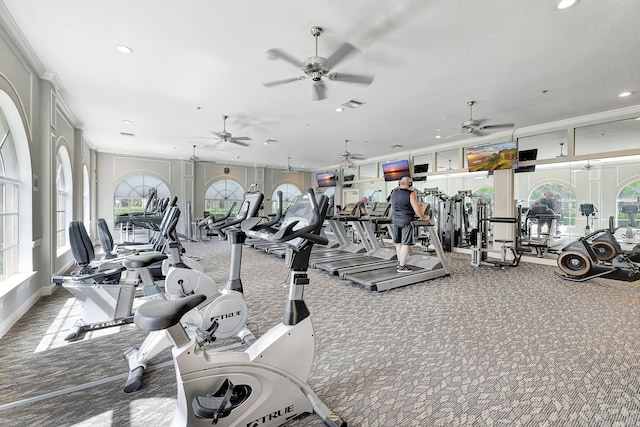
[289, 191]
[628, 205]
[9, 207]
[221, 195]
[564, 196]
[132, 194]
[64, 197]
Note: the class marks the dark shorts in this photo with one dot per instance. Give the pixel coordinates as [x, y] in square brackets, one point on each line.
[403, 234]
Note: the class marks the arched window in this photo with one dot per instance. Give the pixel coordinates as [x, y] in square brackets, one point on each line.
[132, 194]
[628, 205]
[564, 196]
[329, 191]
[64, 197]
[221, 195]
[86, 198]
[289, 191]
[372, 195]
[9, 192]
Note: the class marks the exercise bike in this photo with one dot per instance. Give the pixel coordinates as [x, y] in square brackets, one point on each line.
[105, 301]
[226, 308]
[264, 385]
[597, 254]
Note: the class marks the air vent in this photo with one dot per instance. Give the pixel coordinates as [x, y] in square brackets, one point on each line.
[396, 146]
[127, 134]
[352, 103]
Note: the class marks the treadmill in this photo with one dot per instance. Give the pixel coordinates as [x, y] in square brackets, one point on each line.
[382, 277]
[346, 249]
[375, 254]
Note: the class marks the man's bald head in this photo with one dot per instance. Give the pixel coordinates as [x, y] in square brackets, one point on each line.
[405, 182]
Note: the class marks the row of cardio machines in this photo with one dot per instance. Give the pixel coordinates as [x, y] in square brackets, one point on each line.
[368, 263]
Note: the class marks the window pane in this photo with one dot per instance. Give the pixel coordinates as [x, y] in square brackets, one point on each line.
[9, 238]
[618, 135]
[221, 195]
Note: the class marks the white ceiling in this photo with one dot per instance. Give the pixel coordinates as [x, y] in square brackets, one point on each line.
[195, 60]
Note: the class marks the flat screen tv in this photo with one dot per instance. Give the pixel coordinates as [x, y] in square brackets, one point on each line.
[526, 155]
[424, 168]
[522, 169]
[489, 157]
[395, 170]
[326, 179]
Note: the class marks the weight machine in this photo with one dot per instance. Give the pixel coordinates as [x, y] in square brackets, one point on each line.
[480, 238]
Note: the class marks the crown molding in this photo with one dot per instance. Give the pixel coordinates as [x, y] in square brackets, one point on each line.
[19, 41]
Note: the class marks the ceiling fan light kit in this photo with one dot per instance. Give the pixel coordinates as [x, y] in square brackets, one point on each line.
[227, 137]
[317, 67]
[347, 156]
[477, 127]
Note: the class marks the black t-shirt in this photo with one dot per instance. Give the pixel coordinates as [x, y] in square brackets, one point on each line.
[551, 203]
[401, 210]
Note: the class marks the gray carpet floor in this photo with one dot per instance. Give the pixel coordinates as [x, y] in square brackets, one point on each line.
[482, 347]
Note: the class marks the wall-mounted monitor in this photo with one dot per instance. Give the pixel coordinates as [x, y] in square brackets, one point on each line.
[527, 155]
[348, 178]
[326, 179]
[423, 168]
[501, 155]
[395, 170]
[522, 169]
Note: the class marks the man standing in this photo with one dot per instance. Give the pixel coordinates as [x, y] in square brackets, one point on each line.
[404, 208]
[552, 204]
[362, 206]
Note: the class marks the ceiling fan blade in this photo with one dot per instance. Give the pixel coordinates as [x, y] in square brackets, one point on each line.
[283, 81]
[343, 52]
[358, 157]
[500, 126]
[242, 138]
[281, 54]
[233, 141]
[318, 91]
[351, 78]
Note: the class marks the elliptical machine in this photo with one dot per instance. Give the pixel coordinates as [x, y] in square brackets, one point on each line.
[597, 254]
[265, 384]
[224, 311]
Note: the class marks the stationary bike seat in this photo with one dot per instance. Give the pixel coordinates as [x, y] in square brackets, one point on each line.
[162, 314]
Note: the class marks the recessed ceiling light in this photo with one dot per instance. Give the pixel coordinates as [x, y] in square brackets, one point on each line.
[438, 136]
[624, 94]
[339, 109]
[124, 49]
[127, 122]
[565, 4]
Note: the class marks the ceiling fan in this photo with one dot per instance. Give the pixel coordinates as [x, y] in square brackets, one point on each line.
[347, 156]
[477, 127]
[316, 67]
[290, 168]
[225, 136]
[195, 159]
